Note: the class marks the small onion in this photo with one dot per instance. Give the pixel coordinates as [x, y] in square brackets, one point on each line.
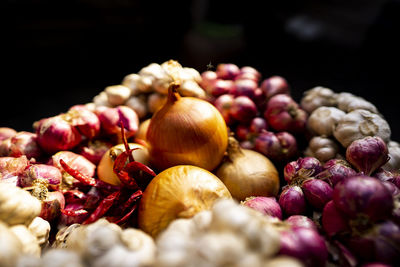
[363, 196]
[52, 206]
[275, 85]
[304, 244]
[111, 118]
[278, 147]
[85, 121]
[11, 167]
[221, 87]
[6, 132]
[265, 205]
[291, 170]
[224, 104]
[227, 71]
[301, 221]
[243, 109]
[292, 200]
[335, 171]
[45, 172]
[248, 173]
[367, 154]
[56, 134]
[94, 150]
[257, 125]
[105, 170]
[207, 79]
[247, 72]
[317, 193]
[333, 220]
[284, 114]
[245, 88]
[24, 143]
[186, 130]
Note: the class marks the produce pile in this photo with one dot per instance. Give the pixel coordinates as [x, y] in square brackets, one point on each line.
[173, 167]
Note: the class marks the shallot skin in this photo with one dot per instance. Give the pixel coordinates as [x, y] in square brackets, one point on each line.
[265, 205]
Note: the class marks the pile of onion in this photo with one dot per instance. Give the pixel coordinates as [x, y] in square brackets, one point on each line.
[248, 173]
[186, 130]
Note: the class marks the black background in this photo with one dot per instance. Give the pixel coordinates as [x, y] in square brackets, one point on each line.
[61, 53]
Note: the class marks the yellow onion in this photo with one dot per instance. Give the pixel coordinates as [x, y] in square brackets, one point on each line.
[141, 133]
[248, 173]
[186, 131]
[178, 192]
[105, 168]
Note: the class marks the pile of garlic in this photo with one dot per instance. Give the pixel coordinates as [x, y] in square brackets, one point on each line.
[146, 91]
[337, 119]
[228, 235]
[22, 233]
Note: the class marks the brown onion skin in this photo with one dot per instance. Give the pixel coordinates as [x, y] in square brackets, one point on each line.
[55, 134]
[367, 154]
[363, 195]
[186, 131]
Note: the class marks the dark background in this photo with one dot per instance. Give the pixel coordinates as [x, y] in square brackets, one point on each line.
[61, 53]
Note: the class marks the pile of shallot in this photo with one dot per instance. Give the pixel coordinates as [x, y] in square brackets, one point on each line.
[176, 168]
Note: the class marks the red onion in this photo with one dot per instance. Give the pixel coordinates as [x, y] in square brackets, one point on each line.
[265, 205]
[257, 125]
[301, 221]
[292, 200]
[304, 244]
[284, 114]
[336, 170]
[227, 71]
[52, 205]
[94, 150]
[111, 118]
[248, 72]
[393, 189]
[333, 220]
[275, 85]
[379, 244]
[317, 193]
[259, 99]
[24, 143]
[11, 168]
[224, 104]
[243, 109]
[221, 87]
[207, 79]
[55, 134]
[242, 132]
[363, 196]
[45, 172]
[245, 88]
[310, 164]
[277, 147]
[247, 145]
[6, 132]
[367, 154]
[375, 264]
[86, 121]
[390, 176]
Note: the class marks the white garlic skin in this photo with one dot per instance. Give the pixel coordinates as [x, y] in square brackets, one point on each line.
[322, 148]
[317, 97]
[349, 102]
[322, 120]
[117, 94]
[41, 229]
[359, 124]
[30, 244]
[139, 105]
[132, 82]
[10, 246]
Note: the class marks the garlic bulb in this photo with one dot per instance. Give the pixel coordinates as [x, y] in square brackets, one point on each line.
[191, 88]
[322, 148]
[359, 124]
[30, 244]
[394, 154]
[322, 120]
[10, 246]
[138, 104]
[349, 102]
[61, 258]
[139, 244]
[41, 229]
[155, 101]
[17, 206]
[132, 82]
[117, 94]
[317, 97]
[228, 235]
[101, 100]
